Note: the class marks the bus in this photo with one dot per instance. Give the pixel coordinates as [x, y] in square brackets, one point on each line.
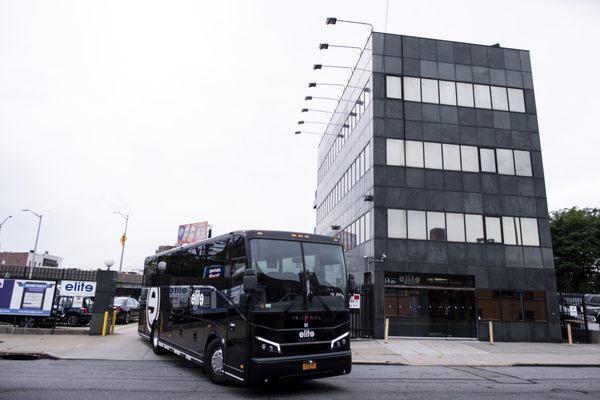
[251, 306]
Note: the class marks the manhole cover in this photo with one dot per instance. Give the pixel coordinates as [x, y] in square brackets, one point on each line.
[25, 356]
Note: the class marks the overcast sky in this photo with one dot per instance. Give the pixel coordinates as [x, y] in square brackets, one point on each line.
[176, 112]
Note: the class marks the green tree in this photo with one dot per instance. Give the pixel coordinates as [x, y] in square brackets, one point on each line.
[576, 243]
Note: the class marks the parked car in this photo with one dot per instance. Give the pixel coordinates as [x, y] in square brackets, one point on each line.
[127, 308]
[592, 307]
[74, 316]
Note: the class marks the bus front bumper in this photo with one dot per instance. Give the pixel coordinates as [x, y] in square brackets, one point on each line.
[307, 366]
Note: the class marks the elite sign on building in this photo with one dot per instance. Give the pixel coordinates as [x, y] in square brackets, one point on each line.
[26, 297]
[78, 288]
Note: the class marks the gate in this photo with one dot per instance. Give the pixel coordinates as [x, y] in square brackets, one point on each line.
[573, 311]
[361, 320]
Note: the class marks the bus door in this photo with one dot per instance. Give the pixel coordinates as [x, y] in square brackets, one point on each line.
[235, 349]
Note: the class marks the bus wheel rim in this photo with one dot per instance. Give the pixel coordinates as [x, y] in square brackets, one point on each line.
[216, 361]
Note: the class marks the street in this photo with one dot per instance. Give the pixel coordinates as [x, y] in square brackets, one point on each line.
[175, 378]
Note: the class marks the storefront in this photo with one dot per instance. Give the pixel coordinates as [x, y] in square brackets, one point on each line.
[430, 305]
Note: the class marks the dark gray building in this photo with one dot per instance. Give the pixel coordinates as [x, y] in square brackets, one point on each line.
[437, 190]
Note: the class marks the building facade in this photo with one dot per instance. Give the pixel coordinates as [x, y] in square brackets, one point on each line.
[25, 259]
[437, 190]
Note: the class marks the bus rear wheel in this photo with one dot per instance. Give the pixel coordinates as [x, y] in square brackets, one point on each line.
[213, 362]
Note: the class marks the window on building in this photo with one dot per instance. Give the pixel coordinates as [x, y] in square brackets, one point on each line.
[436, 226]
[488, 160]
[451, 153]
[510, 304]
[447, 93]
[390, 303]
[482, 96]
[522, 163]
[395, 152]
[412, 89]
[493, 232]
[368, 226]
[529, 232]
[414, 154]
[416, 225]
[516, 101]
[456, 227]
[506, 163]
[509, 230]
[433, 155]
[499, 98]
[429, 91]
[474, 228]
[488, 305]
[464, 92]
[469, 159]
[396, 224]
[534, 304]
[393, 87]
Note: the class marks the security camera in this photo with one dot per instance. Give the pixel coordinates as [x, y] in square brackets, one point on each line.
[365, 257]
[383, 257]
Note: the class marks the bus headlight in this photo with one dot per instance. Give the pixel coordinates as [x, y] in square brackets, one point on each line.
[267, 345]
[340, 341]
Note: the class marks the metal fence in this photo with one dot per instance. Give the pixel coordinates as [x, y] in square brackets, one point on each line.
[45, 273]
[574, 312]
[362, 319]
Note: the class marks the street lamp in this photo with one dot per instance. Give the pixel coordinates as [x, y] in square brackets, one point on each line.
[326, 46]
[307, 98]
[323, 123]
[315, 84]
[123, 238]
[340, 135]
[333, 21]
[109, 263]
[1, 224]
[321, 66]
[305, 110]
[37, 236]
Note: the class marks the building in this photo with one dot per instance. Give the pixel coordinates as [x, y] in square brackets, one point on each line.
[437, 190]
[24, 259]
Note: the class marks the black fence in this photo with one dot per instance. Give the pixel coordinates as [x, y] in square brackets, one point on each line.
[361, 320]
[574, 312]
[45, 273]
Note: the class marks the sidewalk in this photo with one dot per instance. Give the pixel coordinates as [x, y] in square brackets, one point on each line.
[125, 344]
[472, 353]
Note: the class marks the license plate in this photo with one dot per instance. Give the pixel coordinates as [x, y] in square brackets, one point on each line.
[308, 366]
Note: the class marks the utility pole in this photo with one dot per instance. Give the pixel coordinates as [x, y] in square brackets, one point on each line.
[37, 237]
[123, 238]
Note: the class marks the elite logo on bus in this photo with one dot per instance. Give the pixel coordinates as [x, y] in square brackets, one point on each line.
[306, 334]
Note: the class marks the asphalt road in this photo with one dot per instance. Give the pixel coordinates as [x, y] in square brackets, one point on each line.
[178, 379]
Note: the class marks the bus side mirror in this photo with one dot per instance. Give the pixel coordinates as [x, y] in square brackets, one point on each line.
[351, 284]
[249, 280]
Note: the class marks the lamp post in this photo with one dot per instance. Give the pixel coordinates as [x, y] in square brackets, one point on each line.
[1, 224]
[123, 238]
[37, 237]
[321, 66]
[326, 46]
[340, 135]
[308, 98]
[333, 21]
[322, 123]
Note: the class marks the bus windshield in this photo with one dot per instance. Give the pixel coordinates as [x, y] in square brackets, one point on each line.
[287, 280]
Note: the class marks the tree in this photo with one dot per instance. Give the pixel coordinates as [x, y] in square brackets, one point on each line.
[576, 243]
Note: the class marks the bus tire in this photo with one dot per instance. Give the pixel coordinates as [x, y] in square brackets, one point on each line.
[154, 341]
[213, 362]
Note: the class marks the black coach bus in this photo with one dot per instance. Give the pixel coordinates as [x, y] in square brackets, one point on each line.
[251, 306]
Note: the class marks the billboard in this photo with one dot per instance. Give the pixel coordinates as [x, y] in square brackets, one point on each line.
[26, 297]
[190, 233]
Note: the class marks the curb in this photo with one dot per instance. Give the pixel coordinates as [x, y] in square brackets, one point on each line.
[17, 330]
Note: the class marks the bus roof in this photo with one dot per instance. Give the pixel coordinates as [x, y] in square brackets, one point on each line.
[257, 234]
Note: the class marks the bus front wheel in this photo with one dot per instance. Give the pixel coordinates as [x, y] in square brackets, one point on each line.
[154, 341]
[213, 362]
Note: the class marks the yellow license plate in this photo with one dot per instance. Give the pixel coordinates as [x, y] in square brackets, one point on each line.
[308, 366]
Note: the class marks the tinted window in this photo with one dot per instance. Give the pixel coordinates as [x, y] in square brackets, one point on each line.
[474, 227]
[470, 161]
[414, 154]
[436, 226]
[451, 157]
[416, 225]
[505, 162]
[482, 96]
[393, 87]
[412, 89]
[397, 224]
[433, 155]
[464, 93]
[395, 152]
[499, 98]
[492, 230]
[429, 90]
[488, 160]
[447, 93]
[456, 227]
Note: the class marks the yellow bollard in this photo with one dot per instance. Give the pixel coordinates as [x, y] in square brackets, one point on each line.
[113, 322]
[491, 329]
[569, 335]
[387, 330]
[104, 323]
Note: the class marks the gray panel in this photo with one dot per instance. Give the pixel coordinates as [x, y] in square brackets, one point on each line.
[429, 69]
[445, 51]
[513, 256]
[410, 47]
[446, 71]
[415, 177]
[431, 113]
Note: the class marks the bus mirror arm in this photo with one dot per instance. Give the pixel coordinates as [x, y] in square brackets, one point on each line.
[249, 280]
[351, 284]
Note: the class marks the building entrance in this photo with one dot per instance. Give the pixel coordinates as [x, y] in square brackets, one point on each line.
[430, 305]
